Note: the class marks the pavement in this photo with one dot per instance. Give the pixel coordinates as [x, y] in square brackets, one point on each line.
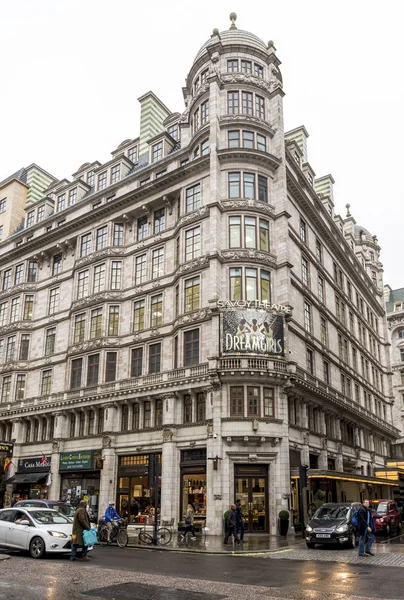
[4, 556]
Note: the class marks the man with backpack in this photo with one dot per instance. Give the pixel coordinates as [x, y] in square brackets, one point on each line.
[366, 529]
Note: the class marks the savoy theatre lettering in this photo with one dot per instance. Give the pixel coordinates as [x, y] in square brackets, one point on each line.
[255, 330]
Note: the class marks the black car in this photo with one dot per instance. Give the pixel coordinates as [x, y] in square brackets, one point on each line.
[332, 524]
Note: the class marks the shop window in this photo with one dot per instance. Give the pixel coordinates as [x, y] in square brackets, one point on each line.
[236, 401]
[194, 492]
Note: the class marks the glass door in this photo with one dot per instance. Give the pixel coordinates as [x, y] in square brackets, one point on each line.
[252, 493]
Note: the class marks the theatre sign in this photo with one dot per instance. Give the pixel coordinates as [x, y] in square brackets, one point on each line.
[252, 327]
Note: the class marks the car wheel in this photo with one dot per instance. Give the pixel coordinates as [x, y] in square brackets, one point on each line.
[37, 547]
[310, 544]
[352, 541]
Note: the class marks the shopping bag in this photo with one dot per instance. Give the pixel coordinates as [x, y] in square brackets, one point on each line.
[90, 537]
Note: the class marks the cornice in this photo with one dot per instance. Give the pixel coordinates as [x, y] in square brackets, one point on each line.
[249, 155]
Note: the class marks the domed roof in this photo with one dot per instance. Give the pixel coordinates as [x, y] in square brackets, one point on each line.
[124, 143]
[237, 37]
[359, 230]
[83, 166]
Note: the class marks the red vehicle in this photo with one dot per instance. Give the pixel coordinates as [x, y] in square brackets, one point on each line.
[388, 517]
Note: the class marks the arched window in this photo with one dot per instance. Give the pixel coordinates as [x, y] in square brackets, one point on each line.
[401, 334]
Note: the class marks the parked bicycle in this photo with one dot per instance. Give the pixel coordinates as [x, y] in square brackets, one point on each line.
[163, 536]
[118, 533]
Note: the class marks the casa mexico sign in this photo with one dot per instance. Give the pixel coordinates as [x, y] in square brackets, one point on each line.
[252, 327]
[37, 465]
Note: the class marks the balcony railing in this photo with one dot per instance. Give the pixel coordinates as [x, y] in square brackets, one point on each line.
[251, 363]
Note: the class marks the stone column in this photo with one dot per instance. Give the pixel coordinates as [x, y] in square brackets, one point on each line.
[218, 495]
[86, 421]
[108, 474]
[111, 421]
[60, 425]
[170, 475]
[323, 458]
[339, 462]
[55, 487]
[41, 427]
[17, 432]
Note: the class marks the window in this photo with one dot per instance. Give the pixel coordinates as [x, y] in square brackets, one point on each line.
[157, 151]
[115, 173]
[116, 275]
[85, 247]
[79, 328]
[236, 401]
[3, 204]
[15, 310]
[269, 403]
[28, 308]
[72, 196]
[111, 364]
[32, 271]
[326, 372]
[246, 66]
[262, 189]
[147, 414]
[96, 323]
[400, 333]
[307, 316]
[259, 107]
[261, 143]
[157, 310]
[173, 129]
[305, 271]
[253, 401]
[159, 218]
[142, 228]
[113, 320]
[10, 352]
[102, 238]
[118, 234]
[137, 362]
[258, 70]
[138, 322]
[234, 185]
[157, 263]
[46, 384]
[320, 282]
[192, 294]
[323, 331]
[205, 112]
[140, 269]
[7, 279]
[30, 218]
[40, 213]
[192, 243]
[310, 361]
[319, 251]
[248, 139]
[20, 386]
[191, 347]
[205, 147]
[249, 185]
[193, 198]
[187, 408]
[253, 279]
[200, 407]
[247, 103]
[90, 178]
[77, 366]
[93, 369]
[3, 313]
[302, 231]
[57, 264]
[232, 66]
[50, 338]
[19, 274]
[102, 180]
[154, 358]
[195, 120]
[82, 288]
[232, 103]
[6, 389]
[132, 154]
[236, 279]
[99, 279]
[234, 139]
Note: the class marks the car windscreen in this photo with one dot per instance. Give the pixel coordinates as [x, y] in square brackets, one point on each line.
[380, 507]
[331, 512]
[44, 517]
[65, 509]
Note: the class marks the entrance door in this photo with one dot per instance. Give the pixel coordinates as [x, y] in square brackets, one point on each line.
[252, 491]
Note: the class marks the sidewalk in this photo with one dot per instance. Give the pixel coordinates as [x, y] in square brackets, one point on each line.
[213, 544]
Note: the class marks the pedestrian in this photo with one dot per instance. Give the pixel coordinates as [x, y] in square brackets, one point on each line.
[189, 523]
[231, 526]
[239, 520]
[81, 523]
[134, 509]
[366, 529]
[14, 500]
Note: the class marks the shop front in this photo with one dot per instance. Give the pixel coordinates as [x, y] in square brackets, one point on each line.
[80, 477]
[193, 484]
[135, 494]
[32, 478]
[251, 487]
[6, 454]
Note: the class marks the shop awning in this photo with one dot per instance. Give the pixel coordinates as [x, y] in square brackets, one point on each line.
[27, 478]
[320, 474]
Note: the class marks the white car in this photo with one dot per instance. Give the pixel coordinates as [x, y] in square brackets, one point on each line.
[37, 530]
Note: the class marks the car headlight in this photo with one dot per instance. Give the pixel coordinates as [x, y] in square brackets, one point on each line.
[342, 528]
[58, 534]
[309, 528]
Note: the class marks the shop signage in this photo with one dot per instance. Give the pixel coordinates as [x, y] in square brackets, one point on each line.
[251, 304]
[6, 448]
[31, 465]
[73, 461]
[252, 331]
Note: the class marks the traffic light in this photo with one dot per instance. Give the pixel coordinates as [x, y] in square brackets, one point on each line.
[303, 475]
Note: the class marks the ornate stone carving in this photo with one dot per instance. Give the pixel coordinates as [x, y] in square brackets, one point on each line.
[357, 452]
[196, 316]
[154, 332]
[248, 255]
[55, 446]
[92, 345]
[194, 216]
[247, 204]
[372, 456]
[16, 326]
[202, 261]
[106, 441]
[22, 287]
[98, 255]
[339, 447]
[215, 383]
[246, 79]
[96, 298]
[217, 496]
[306, 437]
[324, 443]
[167, 435]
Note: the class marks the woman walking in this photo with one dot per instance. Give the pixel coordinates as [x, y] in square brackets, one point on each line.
[189, 523]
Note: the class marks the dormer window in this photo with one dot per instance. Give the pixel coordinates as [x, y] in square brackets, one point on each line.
[297, 158]
[115, 173]
[72, 196]
[173, 131]
[40, 213]
[132, 154]
[157, 152]
[61, 202]
[90, 178]
[30, 218]
[102, 180]
[397, 306]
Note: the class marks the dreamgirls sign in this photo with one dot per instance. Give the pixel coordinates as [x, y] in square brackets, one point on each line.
[252, 330]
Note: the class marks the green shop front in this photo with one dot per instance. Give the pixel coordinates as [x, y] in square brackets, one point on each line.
[80, 477]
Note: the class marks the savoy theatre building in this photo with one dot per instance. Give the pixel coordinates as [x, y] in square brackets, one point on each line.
[197, 301]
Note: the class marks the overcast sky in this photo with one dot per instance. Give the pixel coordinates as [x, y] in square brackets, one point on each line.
[71, 72]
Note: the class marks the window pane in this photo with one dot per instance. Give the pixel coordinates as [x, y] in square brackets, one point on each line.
[250, 232]
[235, 284]
[234, 185]
[264, 235]
[251, 284]
[235, 232]
[249, 185]
[253, 401]
[236, 401]
[234, 139]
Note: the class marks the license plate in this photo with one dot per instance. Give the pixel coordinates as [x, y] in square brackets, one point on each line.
[323, 535]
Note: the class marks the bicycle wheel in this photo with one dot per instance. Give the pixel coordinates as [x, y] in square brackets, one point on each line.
[163, 536]
[145, 538]
[103, 537]
[122, 538]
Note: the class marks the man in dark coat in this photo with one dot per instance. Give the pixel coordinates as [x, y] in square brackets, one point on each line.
[366, 529]
[240, 520]
[81, 523]
[231, 525]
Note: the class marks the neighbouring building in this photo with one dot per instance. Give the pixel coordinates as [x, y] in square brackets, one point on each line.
[196, 302]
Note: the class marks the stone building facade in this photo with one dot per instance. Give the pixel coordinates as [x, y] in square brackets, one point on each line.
[197, 298]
